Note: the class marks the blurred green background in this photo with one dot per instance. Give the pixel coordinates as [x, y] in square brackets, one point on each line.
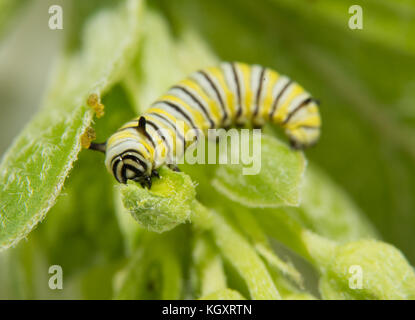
[365, 80]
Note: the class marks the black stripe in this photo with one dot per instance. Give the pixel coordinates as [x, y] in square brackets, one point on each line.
[212, 84]
[274, 106]
[136, 159]
[124, 174]
[136, 171]
[238, 90]
[179, 110]
[144, 165]
[212, 124]
[114, 169]
[132, 168]
[301, 105]
[146, 134]
[171, 124]
[158, 130]
[259, 90]
[137, 152]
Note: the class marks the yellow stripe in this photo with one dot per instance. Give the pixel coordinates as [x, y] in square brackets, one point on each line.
[265, 108]
[116, 137]
[230, 97]
[246, 74]
[148, 147]
[309, 120]
[213, 107]
[129, 124]
[305, 137]
[282, 110]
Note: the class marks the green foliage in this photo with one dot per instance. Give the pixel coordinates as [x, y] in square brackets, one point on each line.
[208, 265]
[35, 167]
[211, 232]
[225, 294]
[383, 270]
[168, 204]
[276, 183]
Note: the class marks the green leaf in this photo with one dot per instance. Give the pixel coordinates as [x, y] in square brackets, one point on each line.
[325, 209]
[248, 223]
[243, 258]
[169, 202]
[209, 266]
[276, 184]
[35, 167]
[364, 269]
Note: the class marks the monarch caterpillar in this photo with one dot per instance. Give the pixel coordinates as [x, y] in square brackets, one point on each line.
[215, 97]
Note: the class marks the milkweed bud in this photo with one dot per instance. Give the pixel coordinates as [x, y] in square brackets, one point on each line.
[364, 269]
[162, 208]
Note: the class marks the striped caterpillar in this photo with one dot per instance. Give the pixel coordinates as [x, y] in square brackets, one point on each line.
[215, 97]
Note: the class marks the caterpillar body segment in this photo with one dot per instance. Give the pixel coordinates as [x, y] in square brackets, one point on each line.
[216, 97]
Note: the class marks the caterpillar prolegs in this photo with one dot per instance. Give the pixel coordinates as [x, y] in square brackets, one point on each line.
[215, 97]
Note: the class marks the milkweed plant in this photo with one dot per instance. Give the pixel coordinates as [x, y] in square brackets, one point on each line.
[333, 222]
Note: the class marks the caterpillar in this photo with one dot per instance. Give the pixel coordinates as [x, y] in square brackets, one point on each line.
[232, 93]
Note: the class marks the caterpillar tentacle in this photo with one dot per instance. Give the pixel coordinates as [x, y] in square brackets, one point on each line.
[217, 97]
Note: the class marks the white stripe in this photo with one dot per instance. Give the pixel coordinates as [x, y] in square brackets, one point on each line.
[265, 83]
[281, 83]
[255, 74]
[230, 81]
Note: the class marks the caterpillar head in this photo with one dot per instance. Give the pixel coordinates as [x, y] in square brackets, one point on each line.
[126, 154]
[125, 159]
